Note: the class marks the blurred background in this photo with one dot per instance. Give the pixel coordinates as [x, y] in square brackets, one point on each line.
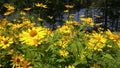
[56, 12]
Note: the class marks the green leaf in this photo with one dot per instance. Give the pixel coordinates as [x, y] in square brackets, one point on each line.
[60, 60]
[77, 63]
[108, 56]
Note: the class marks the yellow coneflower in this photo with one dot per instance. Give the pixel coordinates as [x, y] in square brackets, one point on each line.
[63, 52]
[33, 36]
[17, 60]
[62, 44]
[99, 37]
[97, 42]
[5, 42]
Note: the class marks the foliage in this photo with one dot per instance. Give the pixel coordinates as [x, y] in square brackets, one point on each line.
[25, 44]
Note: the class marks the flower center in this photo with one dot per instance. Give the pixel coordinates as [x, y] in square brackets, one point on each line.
[18, 60]
[33, 33]
[6, 42]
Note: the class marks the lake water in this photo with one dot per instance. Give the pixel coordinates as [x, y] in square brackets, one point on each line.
[82, 12]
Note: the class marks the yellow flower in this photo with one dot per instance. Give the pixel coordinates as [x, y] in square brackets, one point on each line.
[63, 52]
[70, 66]
[112, 36]
[5, 42]
[22, 13]
[118, 43]
[68, 22]
[72, 23]
[64, 29]
[17, 60]
[40, 19]
[72, 16]
[66, 11]
[16, 26]
[100, 29]
[87, 21]
[33, 36]
[50, 17]
[109, 33]
[62, 44]
[69, 6]
[99, 37]
[97, 42]
[49, 32]
[27, 9]
[8, 13]
[9, 7]
[40, 5]
[91, 44]
[99, 46]
[27, 23]
[26, 64]
[3, 23]
[66, 38]
[109, 46]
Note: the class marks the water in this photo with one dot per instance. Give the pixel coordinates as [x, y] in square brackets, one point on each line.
[83, 12]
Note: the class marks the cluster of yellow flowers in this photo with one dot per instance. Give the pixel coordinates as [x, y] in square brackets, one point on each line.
[68, 7]
[87, 21]
[24, 31]
[97, 42]
[31, 35]
[64, 29]
[18, 61]
[114, 37]
[10, 9]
